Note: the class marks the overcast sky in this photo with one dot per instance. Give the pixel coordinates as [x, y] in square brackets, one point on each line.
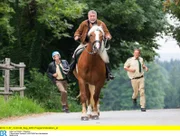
[169, 49]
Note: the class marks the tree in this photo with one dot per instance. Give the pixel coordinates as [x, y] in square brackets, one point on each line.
[172, 98]
[38, 24]
[173, 7]
[6, 31]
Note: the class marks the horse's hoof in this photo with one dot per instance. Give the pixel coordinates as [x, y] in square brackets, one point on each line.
[98, 113]
[84, 118]
[96, 117]
[89, 116]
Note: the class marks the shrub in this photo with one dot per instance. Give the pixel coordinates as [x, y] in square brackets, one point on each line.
[41, 89]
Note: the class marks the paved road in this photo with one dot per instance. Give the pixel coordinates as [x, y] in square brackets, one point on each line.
[136, 117]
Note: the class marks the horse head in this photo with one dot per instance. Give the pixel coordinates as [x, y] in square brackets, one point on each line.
[96, 35]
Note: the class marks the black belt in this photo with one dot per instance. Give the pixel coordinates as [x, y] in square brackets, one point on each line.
[138, 77]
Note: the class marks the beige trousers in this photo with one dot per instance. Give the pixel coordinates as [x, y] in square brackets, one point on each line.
[62, 87]
[138, 86]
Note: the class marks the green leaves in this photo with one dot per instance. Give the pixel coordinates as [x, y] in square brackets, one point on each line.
[55, 15]
[173, 7]
[6, 13]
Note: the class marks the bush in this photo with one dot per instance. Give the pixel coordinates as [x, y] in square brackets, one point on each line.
[41, 89]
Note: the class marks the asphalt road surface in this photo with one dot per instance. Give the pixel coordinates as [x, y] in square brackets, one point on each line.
[131, 117]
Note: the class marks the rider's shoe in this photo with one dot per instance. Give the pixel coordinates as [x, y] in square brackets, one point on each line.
[110, 76]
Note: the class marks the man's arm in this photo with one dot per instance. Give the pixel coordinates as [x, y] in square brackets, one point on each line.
[106, 31]
[129, 69]
[127, 66]
[49, 73]
[145, 67]
[78, 33]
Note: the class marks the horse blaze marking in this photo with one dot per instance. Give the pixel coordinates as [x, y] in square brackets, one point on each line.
[97, 35]
[97, 39]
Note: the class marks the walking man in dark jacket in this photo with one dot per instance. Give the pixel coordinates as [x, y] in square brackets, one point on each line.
[57, 71]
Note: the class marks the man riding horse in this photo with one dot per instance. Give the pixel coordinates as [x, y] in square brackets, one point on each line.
[82, 35]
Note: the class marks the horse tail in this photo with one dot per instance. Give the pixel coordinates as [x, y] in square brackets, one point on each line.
[78, 95]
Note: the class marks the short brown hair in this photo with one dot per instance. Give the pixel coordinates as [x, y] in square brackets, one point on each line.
[137, 50]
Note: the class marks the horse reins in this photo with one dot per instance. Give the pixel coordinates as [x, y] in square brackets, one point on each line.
[92, 52]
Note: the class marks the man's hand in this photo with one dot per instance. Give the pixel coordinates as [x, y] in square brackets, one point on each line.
[55, 75]
[146, 69]
[132, 70]
[108, 37]
[76, 38]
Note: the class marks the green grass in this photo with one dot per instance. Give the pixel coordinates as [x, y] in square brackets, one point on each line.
[16, 106]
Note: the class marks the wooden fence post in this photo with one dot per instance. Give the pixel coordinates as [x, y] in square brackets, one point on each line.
[6, 79]
[21, 78]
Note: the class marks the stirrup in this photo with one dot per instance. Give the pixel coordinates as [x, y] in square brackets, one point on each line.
[110, 76]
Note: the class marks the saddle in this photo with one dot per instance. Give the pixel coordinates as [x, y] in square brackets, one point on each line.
[78, 53]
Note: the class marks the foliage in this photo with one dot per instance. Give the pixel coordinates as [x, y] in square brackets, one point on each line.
[54, 14]
[173, 7]
[43, 26]
[42, 90]
[37, 24]
[117, 94]
[6, 13]
[172, 99]
[162, 88]
[17, 106]
[156, 82]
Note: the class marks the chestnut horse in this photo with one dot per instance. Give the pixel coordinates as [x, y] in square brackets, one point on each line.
[91, 72]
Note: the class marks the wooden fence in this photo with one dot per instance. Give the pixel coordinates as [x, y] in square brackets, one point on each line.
[7, 66]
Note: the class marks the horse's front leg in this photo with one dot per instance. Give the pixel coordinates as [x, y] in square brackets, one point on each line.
[96, 111]
[83, 98]
[84, 115]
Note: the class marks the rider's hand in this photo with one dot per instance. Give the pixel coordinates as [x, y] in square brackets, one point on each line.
[108, 37]
[76, 38]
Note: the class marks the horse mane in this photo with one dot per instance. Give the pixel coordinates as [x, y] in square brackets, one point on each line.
[94, 28]
[103, 54]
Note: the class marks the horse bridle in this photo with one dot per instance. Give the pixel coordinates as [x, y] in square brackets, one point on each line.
[96, 41]
[93, 52]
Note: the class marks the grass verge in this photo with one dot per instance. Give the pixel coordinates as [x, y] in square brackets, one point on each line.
[17, 106]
